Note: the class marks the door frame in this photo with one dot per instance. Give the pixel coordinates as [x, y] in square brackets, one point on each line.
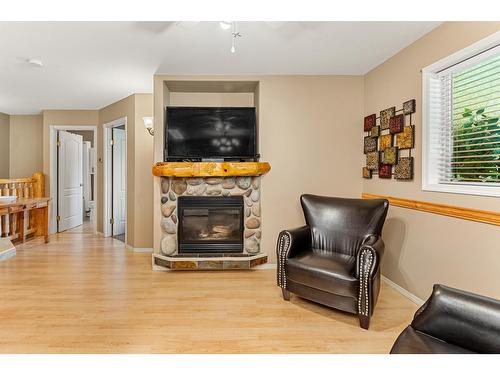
[53, 129]
[107, 175]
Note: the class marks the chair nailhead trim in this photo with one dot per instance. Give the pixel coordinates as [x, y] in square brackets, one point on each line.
[283, 249]
[364, 274]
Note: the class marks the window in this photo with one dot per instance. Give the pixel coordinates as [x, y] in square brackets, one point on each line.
[461, 121]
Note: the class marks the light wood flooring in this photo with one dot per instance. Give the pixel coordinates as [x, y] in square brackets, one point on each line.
[87, 227]
[86, 294]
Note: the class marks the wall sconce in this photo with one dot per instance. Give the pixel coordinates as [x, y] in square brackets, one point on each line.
[148, 123]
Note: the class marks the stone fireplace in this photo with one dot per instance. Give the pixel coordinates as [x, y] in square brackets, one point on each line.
[247, 188]
[210, 215]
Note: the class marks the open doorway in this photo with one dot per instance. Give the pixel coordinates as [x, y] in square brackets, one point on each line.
[73, 178]
[115, 177]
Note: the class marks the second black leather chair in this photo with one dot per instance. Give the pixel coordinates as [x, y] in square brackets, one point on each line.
[452, 321]
[334, 259]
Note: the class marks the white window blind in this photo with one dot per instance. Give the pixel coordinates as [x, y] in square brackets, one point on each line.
[463, 125]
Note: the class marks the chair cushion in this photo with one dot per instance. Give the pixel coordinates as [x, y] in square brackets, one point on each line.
[332, 273]
[411, 341]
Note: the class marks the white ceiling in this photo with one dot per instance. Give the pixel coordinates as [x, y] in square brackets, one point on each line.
[88, 65]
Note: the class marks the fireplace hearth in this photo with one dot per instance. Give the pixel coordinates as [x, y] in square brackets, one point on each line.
[210, 224]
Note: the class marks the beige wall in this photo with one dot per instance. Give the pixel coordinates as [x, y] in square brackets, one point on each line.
[26, 133]
[4, 145]
[139, 162]
[423, 249]
[308, 131]
[210, 99]
[143, 181]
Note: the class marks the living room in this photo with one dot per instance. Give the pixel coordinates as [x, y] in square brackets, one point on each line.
[258, 187]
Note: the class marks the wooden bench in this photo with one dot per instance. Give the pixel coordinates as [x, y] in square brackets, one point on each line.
[29, 214]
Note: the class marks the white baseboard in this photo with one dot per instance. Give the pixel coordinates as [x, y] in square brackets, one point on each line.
[139, 249]
[412, 297]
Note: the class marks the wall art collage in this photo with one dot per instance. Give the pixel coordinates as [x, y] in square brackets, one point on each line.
[387, 143]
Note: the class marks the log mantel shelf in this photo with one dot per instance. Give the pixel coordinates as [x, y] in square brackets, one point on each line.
[210, 169]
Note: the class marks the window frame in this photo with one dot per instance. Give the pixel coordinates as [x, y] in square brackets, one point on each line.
[429, 181]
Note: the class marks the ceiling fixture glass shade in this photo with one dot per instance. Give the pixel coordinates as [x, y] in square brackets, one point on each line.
[35, 62]
[225, 25]
[148, 124]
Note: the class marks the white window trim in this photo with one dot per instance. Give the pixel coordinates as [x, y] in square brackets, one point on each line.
[427, 183]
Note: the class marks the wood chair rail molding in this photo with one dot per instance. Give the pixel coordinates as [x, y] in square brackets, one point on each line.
[210, 169]
[487, 217]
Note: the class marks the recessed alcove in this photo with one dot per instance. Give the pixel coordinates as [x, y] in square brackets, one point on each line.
[211, 93]
[205, 93]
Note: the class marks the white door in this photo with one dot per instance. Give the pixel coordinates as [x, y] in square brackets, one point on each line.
[119, 181]
[86, 178]
[69, 181]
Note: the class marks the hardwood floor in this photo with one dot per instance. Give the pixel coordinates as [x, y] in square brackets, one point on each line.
[86, 227]
[86, 294]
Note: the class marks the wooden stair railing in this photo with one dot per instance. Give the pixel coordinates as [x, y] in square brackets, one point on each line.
[20, 220]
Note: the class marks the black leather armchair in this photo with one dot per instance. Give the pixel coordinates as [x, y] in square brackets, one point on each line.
[334, 259]
[452, 321]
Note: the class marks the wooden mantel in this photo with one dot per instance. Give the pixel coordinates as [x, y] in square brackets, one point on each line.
[210, 169]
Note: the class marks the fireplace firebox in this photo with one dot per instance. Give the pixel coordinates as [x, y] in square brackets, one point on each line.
[210, 224]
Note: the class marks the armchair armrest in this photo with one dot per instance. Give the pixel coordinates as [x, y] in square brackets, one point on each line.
[290, 242]
[367, 265]
[461, 318]
[369, 255]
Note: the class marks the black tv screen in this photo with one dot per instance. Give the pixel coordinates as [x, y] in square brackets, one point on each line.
[210, 133]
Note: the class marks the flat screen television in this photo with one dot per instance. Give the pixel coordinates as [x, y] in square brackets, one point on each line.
[198, 133]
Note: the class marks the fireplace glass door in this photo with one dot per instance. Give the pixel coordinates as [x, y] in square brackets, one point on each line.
[210, 224]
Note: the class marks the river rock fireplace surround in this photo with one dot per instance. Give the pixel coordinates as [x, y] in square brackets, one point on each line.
[211, 215]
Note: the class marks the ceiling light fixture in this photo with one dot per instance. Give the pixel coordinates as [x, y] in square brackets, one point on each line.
[226, 25]
[35, 62]
[235, 35]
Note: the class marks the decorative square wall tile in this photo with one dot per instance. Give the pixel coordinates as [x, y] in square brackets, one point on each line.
[405, 139]
[385, 116]
[385, 141]
[375, 132]
[397, 124]
[385, 171]
[367, 173]
[369, 122]
[372, 160]
[404, 169]
[390, 155]
[370, 144]
[409, 107]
